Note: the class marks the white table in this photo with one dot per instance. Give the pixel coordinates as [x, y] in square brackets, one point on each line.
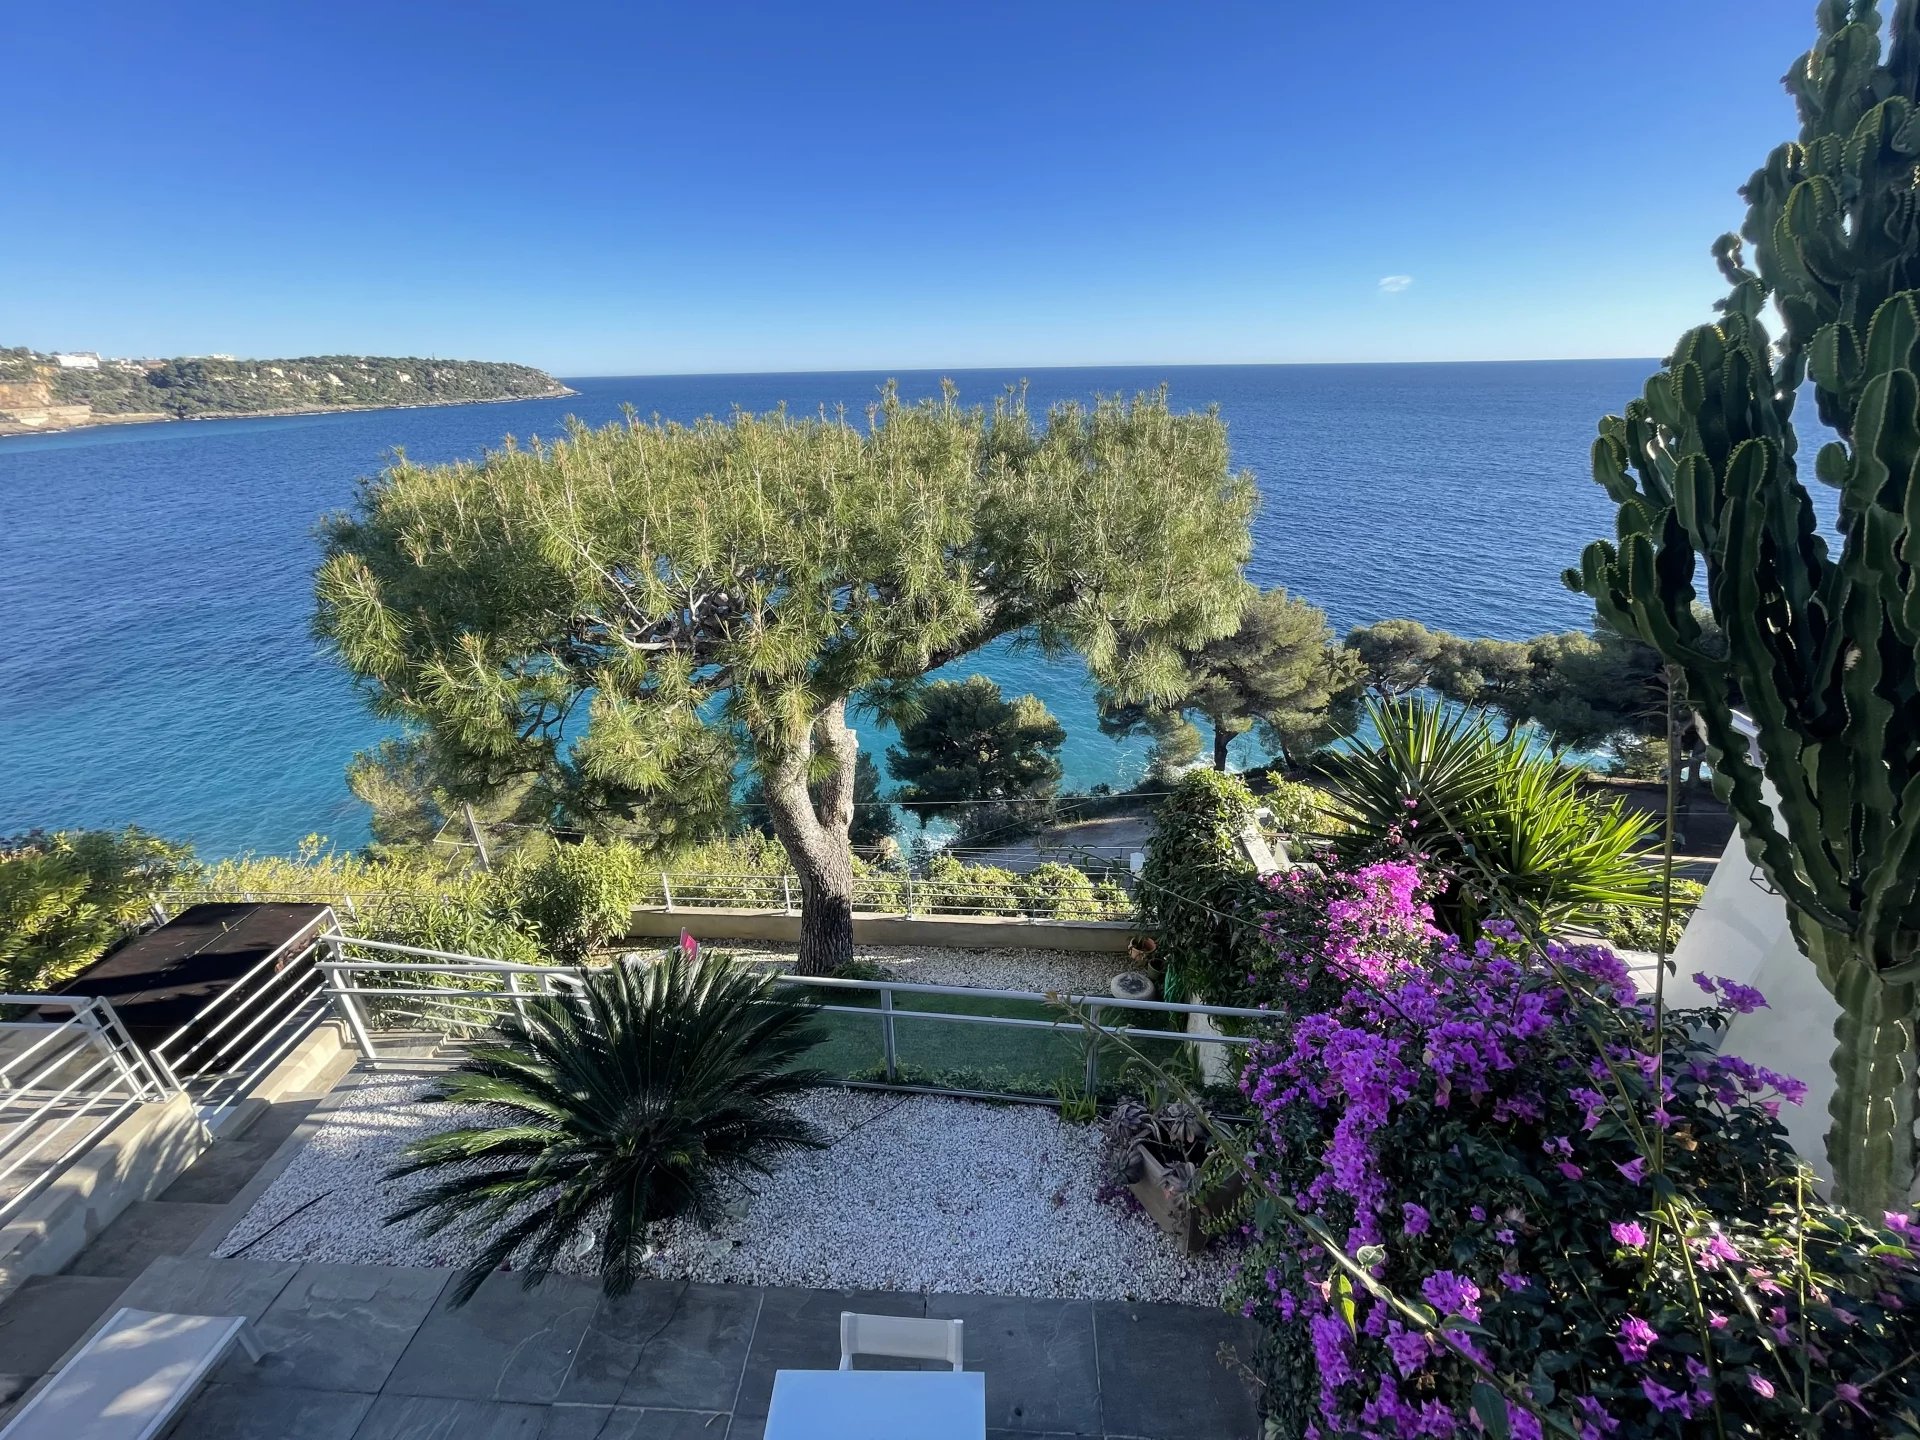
[878, 1405]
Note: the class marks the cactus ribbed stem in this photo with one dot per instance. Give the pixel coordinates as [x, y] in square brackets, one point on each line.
[1876, 1069]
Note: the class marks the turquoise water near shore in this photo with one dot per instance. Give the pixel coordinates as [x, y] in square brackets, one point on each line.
[156, 666]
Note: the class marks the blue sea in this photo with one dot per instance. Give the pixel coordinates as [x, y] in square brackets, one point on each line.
[155, 580]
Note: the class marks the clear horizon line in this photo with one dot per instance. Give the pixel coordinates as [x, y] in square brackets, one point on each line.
[1086, 365]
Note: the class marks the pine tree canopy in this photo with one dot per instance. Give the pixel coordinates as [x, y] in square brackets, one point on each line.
[617, 604]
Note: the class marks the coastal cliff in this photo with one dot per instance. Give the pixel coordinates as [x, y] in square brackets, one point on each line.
[41, 393]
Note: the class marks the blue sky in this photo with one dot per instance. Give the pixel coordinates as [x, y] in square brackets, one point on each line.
[603, 188]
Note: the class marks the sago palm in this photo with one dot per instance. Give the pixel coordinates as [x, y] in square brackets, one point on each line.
[625, 1104]
[1501, 824]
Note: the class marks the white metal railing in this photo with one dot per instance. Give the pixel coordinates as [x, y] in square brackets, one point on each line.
[406, 989]
[68, 1080]
[254, 1022]
[889, 893]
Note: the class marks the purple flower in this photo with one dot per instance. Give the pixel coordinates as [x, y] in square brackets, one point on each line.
[1636, 1338]
[1630, 1233]
[1850, 1395]
[1663, 1399]
[1570, 1170]
[1762, 1386]
[1452, 1294]
[1513, 1281]
[1715, 1250]
[1478, 1212]
[1415, 1219]
[1409, 1348]
[1635, 1169]
[1595, 1421]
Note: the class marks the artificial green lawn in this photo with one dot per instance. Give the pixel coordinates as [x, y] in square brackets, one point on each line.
[971, 1056]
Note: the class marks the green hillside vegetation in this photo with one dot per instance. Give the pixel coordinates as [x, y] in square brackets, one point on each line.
[208, 386]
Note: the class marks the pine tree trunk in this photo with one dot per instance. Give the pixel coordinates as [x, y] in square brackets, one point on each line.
[1870, 1142]
[1221, 740]
[817, 837]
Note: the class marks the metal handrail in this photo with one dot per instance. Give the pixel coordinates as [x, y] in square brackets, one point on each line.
[981, 992]
[237, 988]
[345, 981]
[120, 1078]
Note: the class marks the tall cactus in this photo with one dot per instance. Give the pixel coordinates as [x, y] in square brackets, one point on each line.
[1822, 652]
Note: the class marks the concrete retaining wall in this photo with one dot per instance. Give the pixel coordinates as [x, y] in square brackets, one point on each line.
[959, 932]
[140, 1156]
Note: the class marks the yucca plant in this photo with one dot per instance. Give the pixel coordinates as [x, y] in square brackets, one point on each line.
[1481, 806]
[627, 1103]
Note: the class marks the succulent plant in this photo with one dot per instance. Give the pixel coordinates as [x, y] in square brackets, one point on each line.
[1173, 1134]
[1823, 650]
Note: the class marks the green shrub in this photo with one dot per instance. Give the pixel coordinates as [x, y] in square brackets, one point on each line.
[1065, 892]
[952, 887]
[1298, 809]
[1195, 882]
[878, 889]
[574, 898]
[1637, 927]
[742, 869]
[431, 902]
[65, 897]
[1058, 891]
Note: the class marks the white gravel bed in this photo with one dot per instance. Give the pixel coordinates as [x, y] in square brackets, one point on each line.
[1041, 970]
[916, 1193]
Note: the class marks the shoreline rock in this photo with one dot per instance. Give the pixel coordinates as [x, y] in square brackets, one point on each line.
[96, 422]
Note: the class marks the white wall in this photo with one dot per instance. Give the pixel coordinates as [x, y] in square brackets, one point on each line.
[1740, 932]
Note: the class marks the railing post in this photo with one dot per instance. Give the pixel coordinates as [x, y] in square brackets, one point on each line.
[347, 1005]
[100, 1036]
[786, 890]
[165, 1082]
[1093, 1047]
[886, 1034]
[909, 910]
[666, 889]
[513, 987]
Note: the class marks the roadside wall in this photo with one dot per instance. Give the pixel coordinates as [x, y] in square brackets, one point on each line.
[958, 932]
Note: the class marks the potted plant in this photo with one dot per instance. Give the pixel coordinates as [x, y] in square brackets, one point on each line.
[1160, 1152]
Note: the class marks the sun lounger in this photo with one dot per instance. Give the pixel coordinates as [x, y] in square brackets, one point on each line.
[130, 1380]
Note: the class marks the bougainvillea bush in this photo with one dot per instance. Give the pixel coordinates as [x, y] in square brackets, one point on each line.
[1560, 1225]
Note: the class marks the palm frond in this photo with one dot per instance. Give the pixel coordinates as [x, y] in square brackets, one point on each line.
[1488, 813]
[624, 1105]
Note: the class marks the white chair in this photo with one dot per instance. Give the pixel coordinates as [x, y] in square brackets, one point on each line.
[900, 1336]
[132, 1377]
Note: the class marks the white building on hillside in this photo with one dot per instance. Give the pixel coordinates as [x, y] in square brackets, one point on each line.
[78, 360]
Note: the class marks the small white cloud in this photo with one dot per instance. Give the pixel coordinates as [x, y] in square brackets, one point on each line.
[1394, 284]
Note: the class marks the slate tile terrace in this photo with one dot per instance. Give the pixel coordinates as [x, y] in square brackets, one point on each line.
[367, 1352]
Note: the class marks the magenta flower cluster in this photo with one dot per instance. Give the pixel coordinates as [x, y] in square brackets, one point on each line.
[1409, 1064]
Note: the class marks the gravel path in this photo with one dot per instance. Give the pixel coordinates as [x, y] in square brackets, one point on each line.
[916, 1193]
[1041, 970]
